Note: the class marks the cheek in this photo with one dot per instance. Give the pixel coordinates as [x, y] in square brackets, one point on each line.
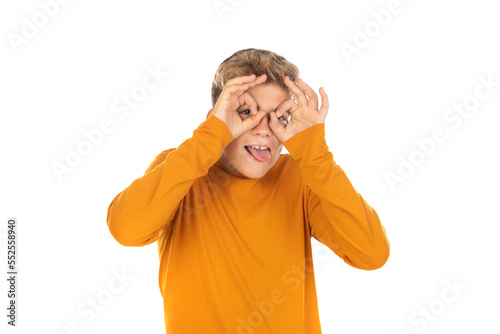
[232, 149]
[228, 151]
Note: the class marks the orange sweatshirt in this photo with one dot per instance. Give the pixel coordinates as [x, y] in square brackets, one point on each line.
[235, 253]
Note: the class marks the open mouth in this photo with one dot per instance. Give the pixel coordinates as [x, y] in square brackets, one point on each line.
[259, 153]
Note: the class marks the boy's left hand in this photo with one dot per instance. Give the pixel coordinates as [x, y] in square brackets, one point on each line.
[304, 115]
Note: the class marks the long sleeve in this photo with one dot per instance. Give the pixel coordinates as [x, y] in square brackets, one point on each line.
[338, 215]
[136, 215]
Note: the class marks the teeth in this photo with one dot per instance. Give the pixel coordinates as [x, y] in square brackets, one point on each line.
[260, 147]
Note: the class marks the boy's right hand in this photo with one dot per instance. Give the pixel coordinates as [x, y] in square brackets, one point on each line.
[232, 97]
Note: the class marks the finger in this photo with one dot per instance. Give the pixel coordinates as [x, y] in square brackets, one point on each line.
[246, 99]
[244, 79]
[325, 104]
[299, 94]
[237, 90]
[240, 80]
[313, 97]
[276, 127]
[241, 85]
[260, 79]
[253, 121]
[286, 107]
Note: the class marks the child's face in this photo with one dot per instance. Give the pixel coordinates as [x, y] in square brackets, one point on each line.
[239, 157]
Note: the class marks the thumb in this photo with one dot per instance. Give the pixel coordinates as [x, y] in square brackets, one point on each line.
[277, 128]
[253, 121]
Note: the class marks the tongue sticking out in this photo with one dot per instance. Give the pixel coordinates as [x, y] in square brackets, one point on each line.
[260, 155]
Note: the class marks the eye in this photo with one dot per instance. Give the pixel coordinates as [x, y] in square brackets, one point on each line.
[284, 119]
[245, 113]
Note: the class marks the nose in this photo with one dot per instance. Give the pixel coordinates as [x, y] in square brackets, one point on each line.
[263, 128]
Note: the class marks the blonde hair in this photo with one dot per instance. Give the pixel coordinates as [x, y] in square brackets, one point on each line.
[254, 61]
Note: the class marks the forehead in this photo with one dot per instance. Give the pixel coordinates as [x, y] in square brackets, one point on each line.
[268, 95]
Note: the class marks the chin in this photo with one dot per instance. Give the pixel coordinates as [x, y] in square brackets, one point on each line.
[239, 160]
[256, 170]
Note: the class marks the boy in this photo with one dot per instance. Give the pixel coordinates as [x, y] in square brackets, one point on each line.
[234, 218]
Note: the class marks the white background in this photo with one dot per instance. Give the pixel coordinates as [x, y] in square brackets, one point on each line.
[442, 221]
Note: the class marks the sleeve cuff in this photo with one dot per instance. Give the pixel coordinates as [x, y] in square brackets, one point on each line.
[309, 142]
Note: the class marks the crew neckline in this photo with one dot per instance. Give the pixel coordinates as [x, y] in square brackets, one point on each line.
[241, 176]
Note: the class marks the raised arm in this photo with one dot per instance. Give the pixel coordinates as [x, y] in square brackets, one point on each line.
[337, 215]
[136, 215]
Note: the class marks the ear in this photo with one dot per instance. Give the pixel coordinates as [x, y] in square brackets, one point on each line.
[209, 112]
